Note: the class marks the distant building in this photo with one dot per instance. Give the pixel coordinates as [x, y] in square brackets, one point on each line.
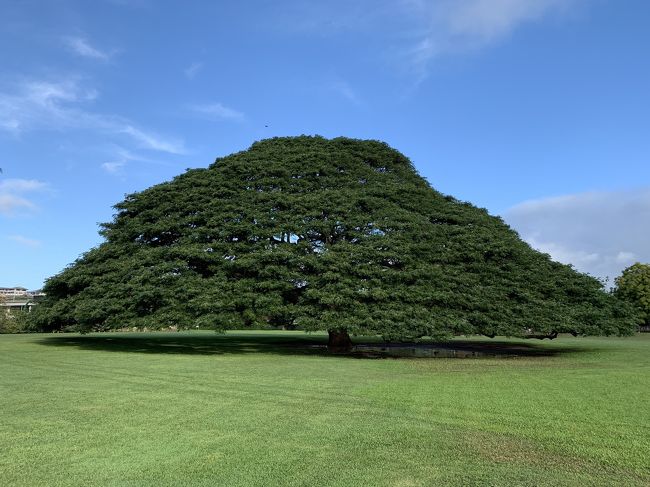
[19, 298]
[13, 291]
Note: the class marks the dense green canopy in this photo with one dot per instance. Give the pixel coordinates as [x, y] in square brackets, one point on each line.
[320, 234]
[633, 286]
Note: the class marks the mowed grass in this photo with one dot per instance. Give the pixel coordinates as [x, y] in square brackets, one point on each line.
[266, 408]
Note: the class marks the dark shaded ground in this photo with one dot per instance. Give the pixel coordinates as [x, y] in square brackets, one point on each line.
[216, 344]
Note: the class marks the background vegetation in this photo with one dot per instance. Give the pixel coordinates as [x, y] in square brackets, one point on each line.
[633, 286]
[14, 321]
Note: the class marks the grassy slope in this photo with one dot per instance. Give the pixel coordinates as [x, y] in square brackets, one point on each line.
[238, 410]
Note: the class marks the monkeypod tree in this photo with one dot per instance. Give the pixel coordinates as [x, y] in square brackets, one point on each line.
[340, 235]
[633, 285]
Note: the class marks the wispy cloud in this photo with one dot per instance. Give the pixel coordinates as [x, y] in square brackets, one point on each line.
[25, 241]
[63, 105]
[37, 104]
[11, 204]
[13, 199]
[192, 70]
[413, 33]
[150, 140]
[113, 167]
[452, 26]
[122, 157]
[21, 185]
[344, 89]
[82, 47]
[216, 111]
[10, 125]
[599, 232]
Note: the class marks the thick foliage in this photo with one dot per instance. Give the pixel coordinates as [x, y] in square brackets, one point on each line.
[320, 234]
[633, 285]
[14, 322]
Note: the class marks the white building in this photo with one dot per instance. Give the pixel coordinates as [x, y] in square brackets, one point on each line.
[13, 291]
[19, 298]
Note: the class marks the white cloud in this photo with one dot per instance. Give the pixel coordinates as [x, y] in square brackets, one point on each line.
[149, 140]
[27, 242]
[37, 104]
[10, 204]
[599, 232]
[61, 105]
[113, 167]
[82, 47]
[415, 32]
[216, 111]
[344, 89]
[626, 257]
[21, 185]
[10, 125]
[485, 20]
[121, 158]
[451, 26]
[12, 195]
[193, 69]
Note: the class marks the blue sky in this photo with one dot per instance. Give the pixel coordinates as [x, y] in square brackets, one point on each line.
[538, 110]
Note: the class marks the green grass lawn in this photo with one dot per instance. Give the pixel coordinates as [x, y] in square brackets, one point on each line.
[264, 409]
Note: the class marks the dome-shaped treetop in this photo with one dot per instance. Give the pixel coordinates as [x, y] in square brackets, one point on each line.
[318, 234]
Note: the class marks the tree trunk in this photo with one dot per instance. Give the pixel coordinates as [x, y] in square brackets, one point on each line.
[339, 341]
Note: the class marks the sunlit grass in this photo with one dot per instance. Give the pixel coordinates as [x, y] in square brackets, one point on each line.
[261, 409]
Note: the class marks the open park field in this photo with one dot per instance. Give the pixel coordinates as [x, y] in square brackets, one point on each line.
[269, 408]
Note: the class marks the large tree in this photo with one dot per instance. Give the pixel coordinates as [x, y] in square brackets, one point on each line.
[340, 235]
[633, 285]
